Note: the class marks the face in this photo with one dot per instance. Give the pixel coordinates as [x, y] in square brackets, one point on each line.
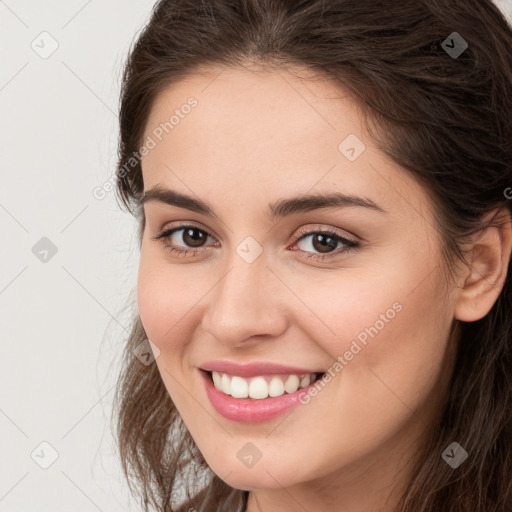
[354, 289]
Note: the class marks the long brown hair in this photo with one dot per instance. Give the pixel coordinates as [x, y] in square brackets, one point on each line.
[445, 118]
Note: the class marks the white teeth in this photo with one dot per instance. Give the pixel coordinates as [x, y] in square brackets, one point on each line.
[239, 387]
[260, 387]
[276, 387]
[217, 380]
[292, 384]
[226, 384]
[306, 381]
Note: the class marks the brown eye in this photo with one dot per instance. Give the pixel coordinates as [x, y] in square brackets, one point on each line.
[320, 243]
[184, 240]
[323, 243]
[193, 237]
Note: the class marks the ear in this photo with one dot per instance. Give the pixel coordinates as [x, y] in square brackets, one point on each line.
[488, 264]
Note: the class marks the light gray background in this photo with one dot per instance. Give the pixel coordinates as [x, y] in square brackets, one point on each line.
[63, 321]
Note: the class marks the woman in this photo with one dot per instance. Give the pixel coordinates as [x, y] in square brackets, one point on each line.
[325, 235]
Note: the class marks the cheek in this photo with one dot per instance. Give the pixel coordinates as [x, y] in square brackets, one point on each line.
[165, 308]
[393, 323]
[151, 300]
[401, 293]
[393, 342]
[169, 299]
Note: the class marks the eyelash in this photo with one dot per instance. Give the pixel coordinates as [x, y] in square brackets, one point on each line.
[350, 245]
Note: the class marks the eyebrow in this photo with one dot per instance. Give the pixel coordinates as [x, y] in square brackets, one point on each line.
[279, 209]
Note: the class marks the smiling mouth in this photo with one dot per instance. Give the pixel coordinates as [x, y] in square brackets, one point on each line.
[261, 386]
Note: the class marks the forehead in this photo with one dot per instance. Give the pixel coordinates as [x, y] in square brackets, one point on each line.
[259, 130]
[257, 104]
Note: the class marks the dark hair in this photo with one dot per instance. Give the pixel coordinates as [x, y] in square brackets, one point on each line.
[444, 118]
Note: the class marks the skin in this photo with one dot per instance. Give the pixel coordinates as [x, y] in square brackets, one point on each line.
[257, 136]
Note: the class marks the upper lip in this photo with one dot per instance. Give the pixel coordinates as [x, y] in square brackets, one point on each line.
[254, 369]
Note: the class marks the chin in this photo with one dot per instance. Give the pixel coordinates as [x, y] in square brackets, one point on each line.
[250, 481]
[260, 476]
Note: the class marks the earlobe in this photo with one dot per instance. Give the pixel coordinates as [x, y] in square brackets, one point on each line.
[489, 258]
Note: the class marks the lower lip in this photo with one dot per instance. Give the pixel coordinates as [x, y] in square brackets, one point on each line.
[250, 410]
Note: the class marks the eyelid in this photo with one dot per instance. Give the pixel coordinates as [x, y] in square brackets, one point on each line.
[350, 242]
[167, 231]
[302, 231]
[316, 228]
[182, 224]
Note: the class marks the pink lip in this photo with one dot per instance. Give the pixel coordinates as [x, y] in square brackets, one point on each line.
[249, 410]
[253, 369]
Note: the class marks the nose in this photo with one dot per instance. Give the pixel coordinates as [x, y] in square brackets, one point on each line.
[247, 301]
